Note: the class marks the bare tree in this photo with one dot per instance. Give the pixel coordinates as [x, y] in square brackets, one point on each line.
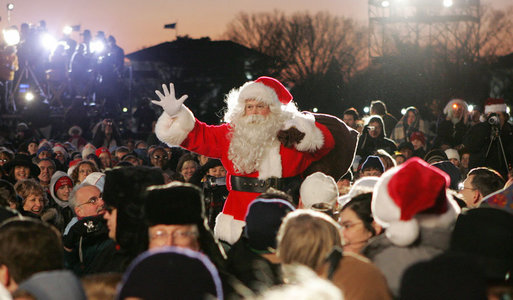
[496, 34]
[303, 44]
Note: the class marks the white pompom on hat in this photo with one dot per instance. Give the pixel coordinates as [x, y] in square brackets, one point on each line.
[318, 188]
[411, 195]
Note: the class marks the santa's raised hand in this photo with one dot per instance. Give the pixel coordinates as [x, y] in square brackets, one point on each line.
[168, 101]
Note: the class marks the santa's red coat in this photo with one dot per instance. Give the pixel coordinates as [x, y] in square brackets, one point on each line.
[213, 141]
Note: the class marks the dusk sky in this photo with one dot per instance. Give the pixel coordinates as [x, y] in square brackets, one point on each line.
[138, 24]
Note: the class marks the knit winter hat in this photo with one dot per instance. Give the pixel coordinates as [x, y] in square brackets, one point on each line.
[54, 285]
[361, 186]
[265, 89]
[373, 162]
[450, 169]
[493, 105]
[502, 199]
[263, 220]
[318, 188]
[171, 273]
[452, 154]
[412, 193]
[101, 150]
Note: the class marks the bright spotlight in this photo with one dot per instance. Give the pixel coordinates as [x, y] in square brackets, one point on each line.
[48, 41]
[125, 109]
[470, 108]
[97, 46]
[29, 96]
[366, 109]
[385, 3]
[67, 30]
[508, 109]
[315, 109]
[10, 6]
[403, 111]
[11, 36]
[448, 3]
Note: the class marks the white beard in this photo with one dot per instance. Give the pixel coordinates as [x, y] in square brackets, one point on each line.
[251, 138]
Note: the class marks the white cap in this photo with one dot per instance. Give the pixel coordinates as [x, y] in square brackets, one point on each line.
[452, 154]
[318, 188]
[361, 186]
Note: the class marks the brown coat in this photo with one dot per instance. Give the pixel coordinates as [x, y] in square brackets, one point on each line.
[359, 279]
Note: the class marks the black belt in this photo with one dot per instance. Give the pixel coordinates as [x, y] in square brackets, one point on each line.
[255, 185]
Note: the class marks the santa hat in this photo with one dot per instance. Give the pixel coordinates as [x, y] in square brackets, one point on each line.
[88, 149]
[60, 148]
[493, 105]
[265, 89]
[75, 130]
[453, 104]
[413, 193]
[318, 188]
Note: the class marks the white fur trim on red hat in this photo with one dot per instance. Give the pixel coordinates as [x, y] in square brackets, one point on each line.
[227, 228]
[174, 130]
[494, 106]
[258, 91]
[400, 231]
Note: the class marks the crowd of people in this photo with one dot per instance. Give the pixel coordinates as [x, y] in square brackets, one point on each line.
[273, 203]
[60, 68]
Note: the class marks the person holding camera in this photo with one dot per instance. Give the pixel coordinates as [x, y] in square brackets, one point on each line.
[490, 142]
[373, 138]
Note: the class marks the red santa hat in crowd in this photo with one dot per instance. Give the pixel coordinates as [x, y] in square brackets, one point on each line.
[494, 105]
[61, 149]
[412, 195]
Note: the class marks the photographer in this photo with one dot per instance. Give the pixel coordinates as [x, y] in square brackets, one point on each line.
[490, 143]
[212, 178]
[373, 138]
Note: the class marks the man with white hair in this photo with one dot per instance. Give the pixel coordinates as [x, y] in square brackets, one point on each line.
[265, 142]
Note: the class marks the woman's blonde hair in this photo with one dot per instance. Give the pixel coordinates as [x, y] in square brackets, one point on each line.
[27, 187]
[307, 237]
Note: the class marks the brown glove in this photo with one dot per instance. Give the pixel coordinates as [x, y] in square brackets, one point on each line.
[290, 136]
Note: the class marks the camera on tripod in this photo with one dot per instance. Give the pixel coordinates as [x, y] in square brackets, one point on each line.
[493, 119]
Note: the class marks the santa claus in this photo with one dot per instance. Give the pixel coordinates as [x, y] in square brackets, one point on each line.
[265, 142]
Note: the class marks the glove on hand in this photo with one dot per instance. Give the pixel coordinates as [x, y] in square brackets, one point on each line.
[168, 101]
[290, 136]
[87, 228]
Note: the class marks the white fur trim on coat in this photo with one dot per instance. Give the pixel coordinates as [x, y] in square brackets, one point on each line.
[314, 139]
[227, 228]
[270, 165]
[258, 91]
[174, 130]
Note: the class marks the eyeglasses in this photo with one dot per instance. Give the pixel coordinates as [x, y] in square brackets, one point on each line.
[91, 200]
[159, 157]
[461, 187]
[178, 235]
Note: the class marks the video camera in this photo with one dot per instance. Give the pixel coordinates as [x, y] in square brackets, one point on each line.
[493, 119]
[213, 182]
